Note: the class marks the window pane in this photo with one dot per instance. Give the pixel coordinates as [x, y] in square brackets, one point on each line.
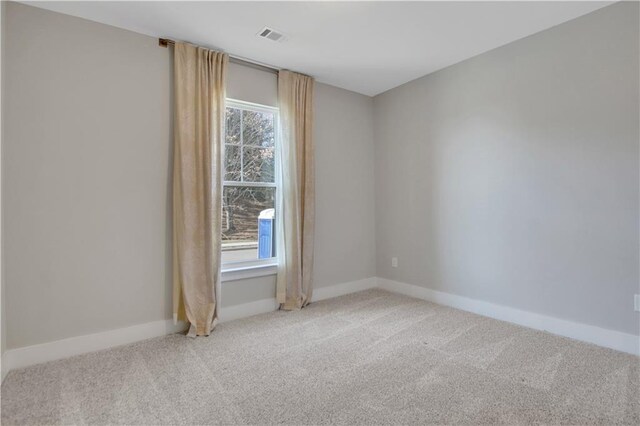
[233, 126]
[258, 164]
[241, 208]
[257, 128]
[232, 163]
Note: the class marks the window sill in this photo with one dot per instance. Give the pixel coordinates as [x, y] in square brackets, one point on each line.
[244, 272]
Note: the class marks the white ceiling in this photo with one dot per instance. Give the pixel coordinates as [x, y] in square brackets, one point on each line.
[366, 47]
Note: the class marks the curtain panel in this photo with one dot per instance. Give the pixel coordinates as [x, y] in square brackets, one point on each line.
[296, 217]
[199, 84]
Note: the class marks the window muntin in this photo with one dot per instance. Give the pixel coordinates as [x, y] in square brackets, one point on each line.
[249, 186]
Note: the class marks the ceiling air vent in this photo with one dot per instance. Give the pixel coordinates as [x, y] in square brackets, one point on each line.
[271, 34]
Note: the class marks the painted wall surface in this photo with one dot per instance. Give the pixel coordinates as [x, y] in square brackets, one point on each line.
[87, 159]
[87, 178]
[3, 322]
[345, 225]
[513, 177]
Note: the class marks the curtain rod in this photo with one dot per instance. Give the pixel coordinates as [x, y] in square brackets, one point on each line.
[165, 42]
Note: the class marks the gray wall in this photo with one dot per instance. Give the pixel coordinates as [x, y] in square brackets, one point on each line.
[3, 322]
[86, 161]
[250, 85]
[345, 226]
[512, 177]
[86, 196]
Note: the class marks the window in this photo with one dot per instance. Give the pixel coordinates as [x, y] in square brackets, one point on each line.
[249, 188]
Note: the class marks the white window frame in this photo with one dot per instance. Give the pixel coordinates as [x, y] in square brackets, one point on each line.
[259, 267]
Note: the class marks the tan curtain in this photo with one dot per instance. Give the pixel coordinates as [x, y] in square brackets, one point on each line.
[197, 184]
[297, 206]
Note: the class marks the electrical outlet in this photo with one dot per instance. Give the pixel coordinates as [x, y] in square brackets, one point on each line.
[394, 262]
[636, 302]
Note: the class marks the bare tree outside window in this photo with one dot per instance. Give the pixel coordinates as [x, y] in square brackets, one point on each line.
[249, 178]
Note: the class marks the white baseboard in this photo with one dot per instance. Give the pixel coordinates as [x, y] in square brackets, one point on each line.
[36, 354]
[244, 310]
[3, 368]
[322, 293]
[587, 333]
[250, 309]
[51, 351]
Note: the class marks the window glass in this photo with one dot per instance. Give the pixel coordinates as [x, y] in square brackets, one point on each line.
[249, 189]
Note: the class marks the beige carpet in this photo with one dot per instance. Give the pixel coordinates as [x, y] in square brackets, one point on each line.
[367, 358]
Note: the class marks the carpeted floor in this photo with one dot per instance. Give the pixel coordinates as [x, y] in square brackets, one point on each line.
[367, 358]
